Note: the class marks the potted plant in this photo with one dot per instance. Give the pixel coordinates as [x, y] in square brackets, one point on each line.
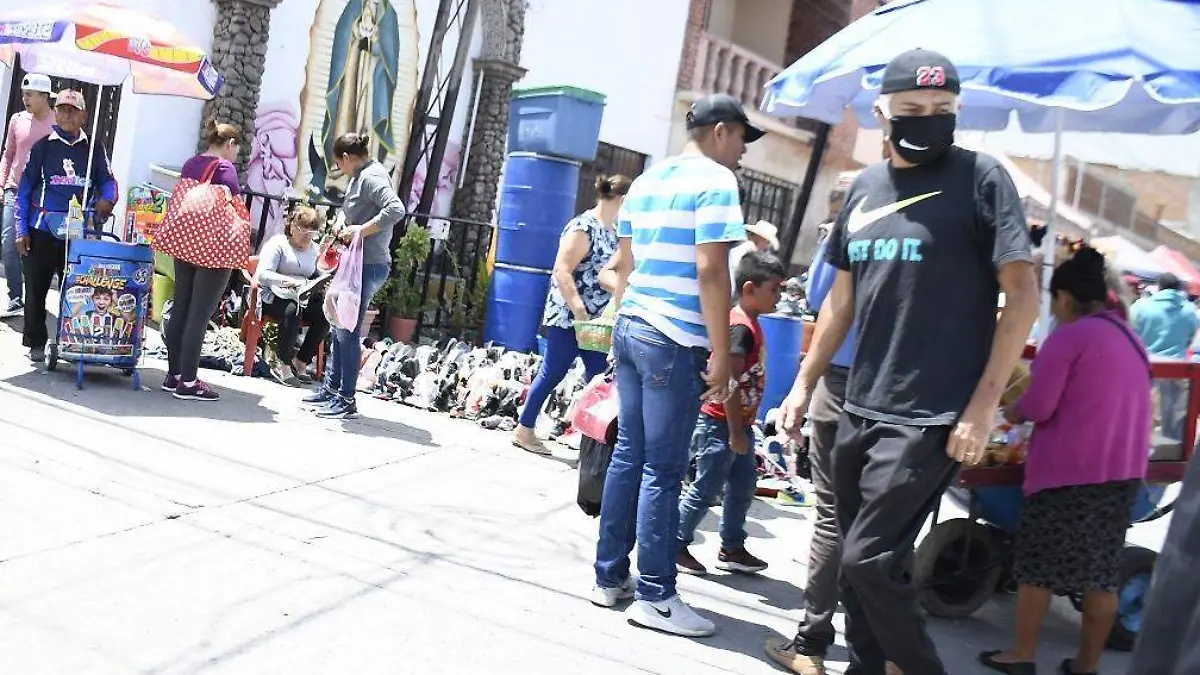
[403, 297]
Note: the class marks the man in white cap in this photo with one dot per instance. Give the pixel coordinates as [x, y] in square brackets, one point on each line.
[24, 129]
[761, 236]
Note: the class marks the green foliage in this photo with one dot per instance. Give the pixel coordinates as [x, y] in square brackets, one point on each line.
[400, 297]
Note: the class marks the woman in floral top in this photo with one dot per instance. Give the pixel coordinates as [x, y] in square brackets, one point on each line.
[587, 244]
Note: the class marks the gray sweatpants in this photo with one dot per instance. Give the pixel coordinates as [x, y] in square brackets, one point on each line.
[887, 478]
[816, 632]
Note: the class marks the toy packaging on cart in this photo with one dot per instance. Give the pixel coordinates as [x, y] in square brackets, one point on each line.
[105, 297]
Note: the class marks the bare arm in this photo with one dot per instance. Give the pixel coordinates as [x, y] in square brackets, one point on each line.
[571, 251]
[833, 324]
[615, 275]
[712, 271]
[1021, 304]
[739, 440]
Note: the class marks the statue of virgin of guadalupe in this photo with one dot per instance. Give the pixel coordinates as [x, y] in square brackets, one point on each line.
[362, 82]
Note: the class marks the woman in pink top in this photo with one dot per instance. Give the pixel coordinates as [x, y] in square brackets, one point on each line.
[1089, 400]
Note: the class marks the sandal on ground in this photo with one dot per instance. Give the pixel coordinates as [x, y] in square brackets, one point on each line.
[1016, 668]
[1067, 667]
[536, 448]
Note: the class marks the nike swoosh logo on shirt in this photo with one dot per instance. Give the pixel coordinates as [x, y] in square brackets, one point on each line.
[860, 219]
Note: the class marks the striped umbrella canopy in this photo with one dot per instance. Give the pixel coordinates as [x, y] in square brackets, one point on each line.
[107, 44]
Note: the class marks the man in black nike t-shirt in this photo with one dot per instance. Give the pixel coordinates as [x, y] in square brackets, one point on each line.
[926, 242]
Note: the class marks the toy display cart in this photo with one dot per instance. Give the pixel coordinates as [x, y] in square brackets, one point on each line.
[962, 562]
[104, 300]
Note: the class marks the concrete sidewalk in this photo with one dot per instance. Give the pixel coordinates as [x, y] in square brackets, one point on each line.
[146, 535]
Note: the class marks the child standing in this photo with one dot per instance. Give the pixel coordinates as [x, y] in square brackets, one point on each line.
[722, 445]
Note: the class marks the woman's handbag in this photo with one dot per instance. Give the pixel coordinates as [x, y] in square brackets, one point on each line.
[344, 297]
[205, 225]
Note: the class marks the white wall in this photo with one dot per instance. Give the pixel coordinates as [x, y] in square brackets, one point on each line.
[762, 27]
[628, 50]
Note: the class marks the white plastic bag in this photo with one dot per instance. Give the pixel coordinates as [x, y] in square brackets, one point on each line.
[344, 296]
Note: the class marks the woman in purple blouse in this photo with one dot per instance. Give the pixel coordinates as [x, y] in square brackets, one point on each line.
[198, 290]
[1089, 400]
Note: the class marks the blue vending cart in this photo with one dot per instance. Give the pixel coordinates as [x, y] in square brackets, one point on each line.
[104, 301]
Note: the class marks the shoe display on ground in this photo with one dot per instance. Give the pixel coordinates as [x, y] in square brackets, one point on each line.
[609, 597]
[783, 652]
[669, 616]
[739, 560]
[200, 391]
[686, 563]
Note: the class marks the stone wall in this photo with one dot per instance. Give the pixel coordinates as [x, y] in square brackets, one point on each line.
[496, 71]
[697, 23]
[239, 52]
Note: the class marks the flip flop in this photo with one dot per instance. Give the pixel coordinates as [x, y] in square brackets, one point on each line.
[1067, 668]
[1018, 668]
[539, 449]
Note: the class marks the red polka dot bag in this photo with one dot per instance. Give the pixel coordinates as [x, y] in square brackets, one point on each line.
[205, 225]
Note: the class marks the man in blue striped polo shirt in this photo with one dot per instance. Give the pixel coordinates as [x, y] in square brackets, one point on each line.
[672, 272]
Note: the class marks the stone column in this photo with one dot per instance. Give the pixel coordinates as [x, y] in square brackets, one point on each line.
[239, 52]
[484, 158]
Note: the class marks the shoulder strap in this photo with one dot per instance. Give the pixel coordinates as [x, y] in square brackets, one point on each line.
[211, 170]
[1128, 336]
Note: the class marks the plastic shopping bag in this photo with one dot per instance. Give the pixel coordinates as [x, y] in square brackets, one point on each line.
[594, 458]
[594, 413]
[345, 291]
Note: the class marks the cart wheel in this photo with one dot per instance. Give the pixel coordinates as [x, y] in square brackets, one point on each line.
[79, 375]
[957, 568]
[52, 357]
[1137, 565]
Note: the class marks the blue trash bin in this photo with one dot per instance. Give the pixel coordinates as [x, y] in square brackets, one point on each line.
[561, 121]
[784, 337]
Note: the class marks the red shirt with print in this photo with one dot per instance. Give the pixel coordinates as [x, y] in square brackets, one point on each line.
[745, 340]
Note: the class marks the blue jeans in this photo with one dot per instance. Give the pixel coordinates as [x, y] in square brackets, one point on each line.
[8, 246]
[346, 357]
[717, 465]
[561, 350]
[659, 385]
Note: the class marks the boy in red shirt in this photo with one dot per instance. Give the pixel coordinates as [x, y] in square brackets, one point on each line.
[723, 445]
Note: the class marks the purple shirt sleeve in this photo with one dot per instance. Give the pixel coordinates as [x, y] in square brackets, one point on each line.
[226, 174]
[1049, 374]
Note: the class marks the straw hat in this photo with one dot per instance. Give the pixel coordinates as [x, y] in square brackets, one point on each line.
[765, 230]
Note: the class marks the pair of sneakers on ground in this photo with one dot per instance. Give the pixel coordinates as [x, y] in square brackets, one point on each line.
[329, 405]
[673, 615]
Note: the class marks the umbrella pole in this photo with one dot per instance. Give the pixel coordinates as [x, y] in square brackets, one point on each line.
[1048, 243]
[87, 177]
[800, 207]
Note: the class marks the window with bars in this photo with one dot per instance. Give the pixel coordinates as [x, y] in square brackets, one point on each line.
[610, 159]
[765, 197]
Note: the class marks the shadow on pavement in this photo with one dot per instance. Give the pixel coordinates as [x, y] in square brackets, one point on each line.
[107, 391]
[373, 427]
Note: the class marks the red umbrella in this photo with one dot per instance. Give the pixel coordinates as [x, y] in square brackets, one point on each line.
[1177, 263]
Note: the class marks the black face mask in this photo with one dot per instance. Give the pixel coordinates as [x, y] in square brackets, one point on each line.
[922, 140]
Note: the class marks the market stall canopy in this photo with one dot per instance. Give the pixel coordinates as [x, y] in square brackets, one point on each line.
[1177, 263]
[1061, 65]
[106, 44]
[1129, 257]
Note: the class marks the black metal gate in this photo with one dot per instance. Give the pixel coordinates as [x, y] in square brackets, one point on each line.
[610, 159]
[108, 108]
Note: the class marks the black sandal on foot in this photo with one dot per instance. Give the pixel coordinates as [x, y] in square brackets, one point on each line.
[1067, 667]
[1016, 668]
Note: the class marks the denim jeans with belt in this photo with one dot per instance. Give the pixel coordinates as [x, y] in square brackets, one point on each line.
[346, 357]
[717, 465]
[659, 386]
[11, 259]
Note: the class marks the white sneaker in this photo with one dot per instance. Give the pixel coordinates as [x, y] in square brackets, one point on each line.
[609, 597]
[670, 616]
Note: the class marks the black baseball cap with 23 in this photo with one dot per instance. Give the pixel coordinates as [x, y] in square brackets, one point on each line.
[920, 69]
[717, 108]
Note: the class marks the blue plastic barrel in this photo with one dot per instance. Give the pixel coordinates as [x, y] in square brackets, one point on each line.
[560, 121]
[537, 199]
[516, 299]
[784, 336]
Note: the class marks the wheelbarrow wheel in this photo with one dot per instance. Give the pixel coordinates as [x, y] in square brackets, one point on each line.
[957, 568]
[1137, 566]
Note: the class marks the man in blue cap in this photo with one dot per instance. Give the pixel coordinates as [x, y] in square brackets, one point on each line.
[926, 242]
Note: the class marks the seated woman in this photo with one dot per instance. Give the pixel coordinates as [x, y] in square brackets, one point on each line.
[287, 262]
[1089, 400]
